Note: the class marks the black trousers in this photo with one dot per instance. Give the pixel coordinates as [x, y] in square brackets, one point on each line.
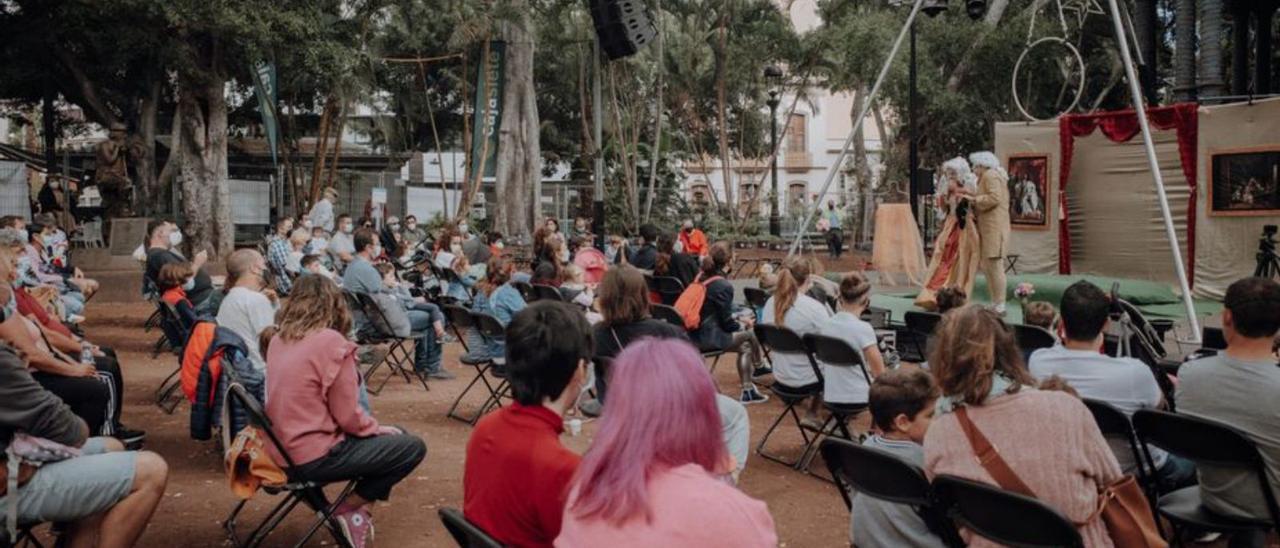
[88, 397]
[108, 367]
[379, 462]
[835, 242]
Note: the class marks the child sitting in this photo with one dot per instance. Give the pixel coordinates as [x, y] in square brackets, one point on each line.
[175, 280]
[1041, 314]
[314, 264]
[459, 287]
[902, 404]
[576, 290]
[391, 285]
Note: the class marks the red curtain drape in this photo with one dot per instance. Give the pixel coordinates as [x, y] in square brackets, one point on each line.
[1120, 126]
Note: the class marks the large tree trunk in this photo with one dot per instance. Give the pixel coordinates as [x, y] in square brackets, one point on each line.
[722, 116]
[1184, 55]
[519, 150]
[337, 143]
[1210, 77]
[1145, 29]
[204, 164]
[151, 197]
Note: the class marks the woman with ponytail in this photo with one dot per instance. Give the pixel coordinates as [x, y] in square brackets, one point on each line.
[723, 330]
[846, 385]
[791, 308]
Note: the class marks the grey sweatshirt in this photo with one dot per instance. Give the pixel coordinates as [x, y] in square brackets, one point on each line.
[27, 407]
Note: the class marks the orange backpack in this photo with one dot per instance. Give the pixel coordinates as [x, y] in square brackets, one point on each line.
[689, 305]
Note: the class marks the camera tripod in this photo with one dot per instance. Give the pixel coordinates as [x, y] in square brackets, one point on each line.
[1268, 265]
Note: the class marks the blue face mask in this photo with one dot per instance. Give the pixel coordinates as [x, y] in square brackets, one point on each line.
[191, 284]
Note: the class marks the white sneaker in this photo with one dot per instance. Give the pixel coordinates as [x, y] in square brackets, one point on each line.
[1000, 309]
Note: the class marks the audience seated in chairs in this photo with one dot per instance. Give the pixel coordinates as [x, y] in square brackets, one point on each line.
[250, 306]
[902, 404]
[283, 255]
[517, 472]
[1238, 386]
[162, 240]
[175, 279]
[847, 385]
[392, 285]
[1049, 439]
[341, 245]
[721, 329]
[497, 297]
[676, 264]
[51, 242]
[362, 277]
[66, 299]
[312, 394]
[645, 478]
[791, 307]
[94, 391]
[104, 495]
[1125, 383]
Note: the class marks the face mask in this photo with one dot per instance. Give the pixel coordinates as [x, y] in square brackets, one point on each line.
[462, 228]
[411, 226]
[175, 238]
[499, 245]
[191, 284]
[564, 255]
[10, 308]
[394, 226]
[377, 251]
[348, 229]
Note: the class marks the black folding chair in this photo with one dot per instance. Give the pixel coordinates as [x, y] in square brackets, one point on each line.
[547, 293]
[672, 316]
[1210, 444]
[838, 353]
[1004, 517]
[525, 289]
[920, 326]
[493, 331]
[459, 319]
[755, 296]
[668, 288]
[484, 367]
[780, 340]
[377, 330]
[1031, 338]
[296, 489]
[879, 318]
[1212, 338]
[175, 336]
[465, 533]
[884, 476]
[1115, 424]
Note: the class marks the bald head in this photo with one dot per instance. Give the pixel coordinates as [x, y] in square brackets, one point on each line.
[246, 266]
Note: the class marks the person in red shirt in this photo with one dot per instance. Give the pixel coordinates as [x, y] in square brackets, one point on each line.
[517, 473]
[692, 240]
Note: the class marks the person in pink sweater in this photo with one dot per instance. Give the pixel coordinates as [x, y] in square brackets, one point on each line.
[312, 394]
[1048, 438]
[658, 473]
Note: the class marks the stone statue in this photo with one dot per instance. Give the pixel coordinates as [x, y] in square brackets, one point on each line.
[112, 173]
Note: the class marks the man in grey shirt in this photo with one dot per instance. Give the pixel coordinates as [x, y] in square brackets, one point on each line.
[341, 247]
[1240, 387]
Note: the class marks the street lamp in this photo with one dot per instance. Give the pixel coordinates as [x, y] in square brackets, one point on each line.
[773, 78]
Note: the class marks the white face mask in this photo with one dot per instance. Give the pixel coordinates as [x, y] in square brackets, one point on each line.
[191, 284]
[377, 251]
[175, 238]
[499, 245]
[462, 228]
[348, 228]
[564, 255]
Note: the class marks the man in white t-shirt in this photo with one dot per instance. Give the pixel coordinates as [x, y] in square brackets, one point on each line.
[1126, 383]
[341, 247]
[248, 307]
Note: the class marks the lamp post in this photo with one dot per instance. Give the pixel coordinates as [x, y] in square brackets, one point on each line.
[773, 76]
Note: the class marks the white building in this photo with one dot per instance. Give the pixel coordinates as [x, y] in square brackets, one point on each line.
[809, 143]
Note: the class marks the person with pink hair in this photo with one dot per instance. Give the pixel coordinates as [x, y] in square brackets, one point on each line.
[658, 473]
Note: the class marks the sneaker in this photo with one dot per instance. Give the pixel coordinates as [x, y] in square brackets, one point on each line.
[762, 371]
[1000, 309]
[357, 526]
[441, 375]
[751, 396]
[591, 408]
[132, 439]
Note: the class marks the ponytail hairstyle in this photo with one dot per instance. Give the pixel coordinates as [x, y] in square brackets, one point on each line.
[855, 290]
[717, 259]
[666, 248]
[791, 276]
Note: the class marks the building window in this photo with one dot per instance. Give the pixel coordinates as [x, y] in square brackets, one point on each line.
[795, 197]
[796, 141]
[699, 195]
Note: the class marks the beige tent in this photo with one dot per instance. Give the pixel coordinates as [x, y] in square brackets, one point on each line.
[1114, 224]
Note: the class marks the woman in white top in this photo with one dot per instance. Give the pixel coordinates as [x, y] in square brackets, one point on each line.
[790, 307]
[847, 384]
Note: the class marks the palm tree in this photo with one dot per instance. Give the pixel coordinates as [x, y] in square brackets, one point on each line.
[1211, 84]
[1184, 69]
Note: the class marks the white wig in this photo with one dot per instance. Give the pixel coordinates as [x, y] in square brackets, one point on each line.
[984, 159]
[958, 166]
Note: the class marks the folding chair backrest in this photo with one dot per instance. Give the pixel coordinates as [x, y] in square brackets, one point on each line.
[547, 293]
[875, 473]
[921, 322]
[1205, 441]
[458, 316]
[667, 314]
[465, 533]
[375, 318]
[835, 352]
[780, 339]
[756, 297]
[1032, 338]
[1114, 423]
[879, 318]
[1004, 517]
[257, 417]
[525, 289]
[668, 288]
[489, 325]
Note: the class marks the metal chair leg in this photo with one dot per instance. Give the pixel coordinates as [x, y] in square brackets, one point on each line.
[325, 516]
[790, 410]
[481, 370]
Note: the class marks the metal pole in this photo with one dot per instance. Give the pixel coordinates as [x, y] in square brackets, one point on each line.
[1135, 94]
[597, 120]
[857, 125]
[775, 223]
[913, 154]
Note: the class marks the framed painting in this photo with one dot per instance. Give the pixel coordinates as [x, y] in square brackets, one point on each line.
[1029, 191]
[1245, 182]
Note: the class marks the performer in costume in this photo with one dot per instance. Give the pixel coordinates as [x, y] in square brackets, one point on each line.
[955, 252]
[992, 204]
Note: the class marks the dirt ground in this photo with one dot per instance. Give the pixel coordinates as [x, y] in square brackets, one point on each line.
[807, 511]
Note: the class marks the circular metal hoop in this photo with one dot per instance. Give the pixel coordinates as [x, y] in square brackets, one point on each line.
[1016, 66]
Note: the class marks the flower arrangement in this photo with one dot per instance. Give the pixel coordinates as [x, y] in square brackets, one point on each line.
[1023, 291]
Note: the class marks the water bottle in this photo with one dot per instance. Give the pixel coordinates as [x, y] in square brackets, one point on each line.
[86, 353]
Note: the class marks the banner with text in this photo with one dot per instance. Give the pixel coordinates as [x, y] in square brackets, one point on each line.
[488, 110]
[264, 84]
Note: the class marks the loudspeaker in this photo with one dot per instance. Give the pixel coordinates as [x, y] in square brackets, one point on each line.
[924, 181]
[623, 26]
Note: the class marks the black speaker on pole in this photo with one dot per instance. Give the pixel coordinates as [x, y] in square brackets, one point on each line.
[924, 181]
[624, 26]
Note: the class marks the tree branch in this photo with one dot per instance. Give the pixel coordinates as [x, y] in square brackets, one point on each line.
[93, 104]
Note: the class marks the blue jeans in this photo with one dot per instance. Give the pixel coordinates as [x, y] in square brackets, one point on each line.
[426, 353]
[1174, 474]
